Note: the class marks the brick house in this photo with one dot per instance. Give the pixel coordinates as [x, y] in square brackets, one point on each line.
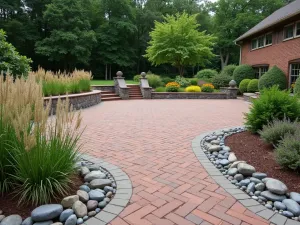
[274, 41]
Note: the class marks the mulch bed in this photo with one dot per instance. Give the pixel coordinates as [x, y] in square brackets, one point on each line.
[250, 148]
[9, 201]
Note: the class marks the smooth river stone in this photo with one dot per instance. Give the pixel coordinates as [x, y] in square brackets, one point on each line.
[279, 206]
[295, 196]
[94, 175]
[83, 195]
[46, 212]
[232, 158]
[100, 183]
[273, 197]
[96, 195]
[65, 215]
[259, 176]
[232, 171]
[235, 164]
[276, 186]
[80, 209]
[67, 202]
[214, 148]
[245, 169]
[12, 220]
[292, 206]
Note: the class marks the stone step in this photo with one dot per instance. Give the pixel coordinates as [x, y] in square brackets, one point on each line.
[136, 98]
[131, 96]
[109, 95]
[110, 99]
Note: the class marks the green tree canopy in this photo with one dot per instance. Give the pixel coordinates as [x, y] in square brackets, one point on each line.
[177, 41]
[10, 59]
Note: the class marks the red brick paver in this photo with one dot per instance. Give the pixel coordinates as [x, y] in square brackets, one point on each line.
[151, 141]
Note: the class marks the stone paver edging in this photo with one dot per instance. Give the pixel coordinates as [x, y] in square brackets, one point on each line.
[242, 197]
[120, 199]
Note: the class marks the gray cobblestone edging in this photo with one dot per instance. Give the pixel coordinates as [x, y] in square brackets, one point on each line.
[121, 198]
[242, 197]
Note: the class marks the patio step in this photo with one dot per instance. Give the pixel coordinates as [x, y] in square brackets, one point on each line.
[109, 96]
[134, 91]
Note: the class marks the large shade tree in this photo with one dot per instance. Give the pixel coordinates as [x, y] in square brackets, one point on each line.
[178, 41]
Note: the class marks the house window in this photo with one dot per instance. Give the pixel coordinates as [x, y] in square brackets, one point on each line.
[259, 71]
[298, 29]
[254, 44]
[294, 72]
[289, 32]
[261, 41]
[269, 39]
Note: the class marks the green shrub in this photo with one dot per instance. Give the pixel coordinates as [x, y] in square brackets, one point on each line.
[172, 89]
[183, 82]
[206, 73]
[154, 80]
[194, 82]
[274, 76]
[207, 89]
[243, 72]
[160, 89]
[221, 81]
[136, 78]
[244, 85]
[276, 130]
[85, 85]
[166, 80]
[272, 104]
[287, 154]
[73, 87]
[253, 86]
[297, 87]
[228, 70]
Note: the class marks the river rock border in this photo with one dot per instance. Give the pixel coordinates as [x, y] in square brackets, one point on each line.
[105, 193]
[257, 204]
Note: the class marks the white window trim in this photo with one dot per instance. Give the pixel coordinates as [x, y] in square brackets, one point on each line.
[266, 39]
[295, 32]
[290, 38]
[290, 74]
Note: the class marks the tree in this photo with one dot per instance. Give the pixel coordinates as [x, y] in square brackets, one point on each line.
[71, 39]
[10, 59]
[178, 42]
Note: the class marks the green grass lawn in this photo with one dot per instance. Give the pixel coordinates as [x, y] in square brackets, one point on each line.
[110, 82]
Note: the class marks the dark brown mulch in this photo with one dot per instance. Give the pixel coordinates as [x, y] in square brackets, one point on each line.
[9, 203]
[250, 148]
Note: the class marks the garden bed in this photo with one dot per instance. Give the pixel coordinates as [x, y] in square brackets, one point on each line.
[250, 148]
[188, 95]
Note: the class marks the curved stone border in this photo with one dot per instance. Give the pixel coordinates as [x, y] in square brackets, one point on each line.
[78, 101]
[120, 199]
[241, 196]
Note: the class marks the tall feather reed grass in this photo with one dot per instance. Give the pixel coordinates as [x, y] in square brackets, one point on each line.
[37, 152]
[63, 83]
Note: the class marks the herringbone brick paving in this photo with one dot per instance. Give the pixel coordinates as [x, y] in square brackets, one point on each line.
[151, 141]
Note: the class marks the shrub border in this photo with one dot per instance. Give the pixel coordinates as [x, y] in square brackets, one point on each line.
[120, 199]
[188, 95]
[251, 204]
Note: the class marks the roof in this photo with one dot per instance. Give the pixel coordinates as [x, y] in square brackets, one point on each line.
[280, 15]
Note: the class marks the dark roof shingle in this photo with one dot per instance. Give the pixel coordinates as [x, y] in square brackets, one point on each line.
[281, 14]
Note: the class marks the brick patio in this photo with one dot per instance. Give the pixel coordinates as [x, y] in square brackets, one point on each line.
[151, 142]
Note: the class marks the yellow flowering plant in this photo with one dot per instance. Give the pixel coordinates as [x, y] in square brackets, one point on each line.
[193, 89]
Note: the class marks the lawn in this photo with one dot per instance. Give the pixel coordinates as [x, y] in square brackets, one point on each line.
[110, 82]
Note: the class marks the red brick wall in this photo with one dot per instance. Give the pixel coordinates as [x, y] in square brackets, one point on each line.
[279, 54]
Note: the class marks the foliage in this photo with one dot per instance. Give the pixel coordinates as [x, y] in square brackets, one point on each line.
[221, 81]
[154, 80]
[136, 78]
[193, 89]
[243, 87]
[166, 80]
[40, 153]
[182, 81]
[297, 87]
[194, 82]
[207, 88]
[276, 130]
[274, 76]
[253, 86]
[62, 83]
[206, 73]
[10, 59]
[172, 89]
[173, 84]
[160, 89]
[243, 72]
[272, 104]
[177, 41]
[228, 70]
[288, 152]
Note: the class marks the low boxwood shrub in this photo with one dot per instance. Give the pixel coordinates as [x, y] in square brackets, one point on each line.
[253, 86]
[183, 82]
[287, 154]
[136, 78]
[274, 76]
[166, 80]
[243, 72]
[172, 89]
[221, 81]
[272, 104]
[228, 70]
[194, 82]
[154, 80]
[275, 131]
[207, 88]
[160, 89]
[244, 85]
[206, 73]
[297, 87]
[193, 89]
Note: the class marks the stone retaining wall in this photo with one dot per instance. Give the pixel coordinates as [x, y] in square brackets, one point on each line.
[79, 101]
[188, 95]
[110, 88]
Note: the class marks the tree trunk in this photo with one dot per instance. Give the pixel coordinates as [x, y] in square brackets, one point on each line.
[110, 71]
[224, 61]
[105, 71]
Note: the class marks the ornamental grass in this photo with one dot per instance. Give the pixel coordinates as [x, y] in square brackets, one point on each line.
[63, 83]
[37, 152]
